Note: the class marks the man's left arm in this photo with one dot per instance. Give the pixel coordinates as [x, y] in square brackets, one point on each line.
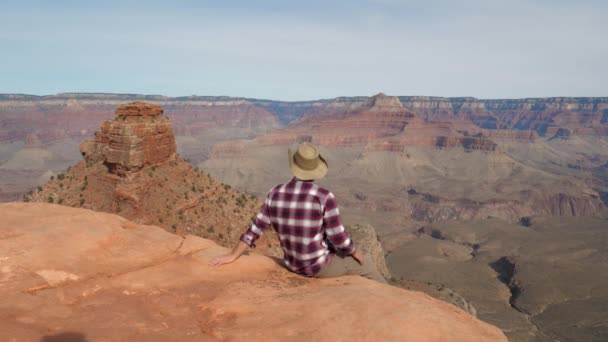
[336, 234]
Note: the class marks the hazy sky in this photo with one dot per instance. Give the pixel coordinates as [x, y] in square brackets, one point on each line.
[292, 50]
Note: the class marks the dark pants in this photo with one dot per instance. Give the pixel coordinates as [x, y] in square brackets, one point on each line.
[339, 266]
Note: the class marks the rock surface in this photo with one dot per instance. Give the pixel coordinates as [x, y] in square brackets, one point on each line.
[75, 273]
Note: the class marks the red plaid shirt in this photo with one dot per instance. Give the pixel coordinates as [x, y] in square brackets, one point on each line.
[307, 220]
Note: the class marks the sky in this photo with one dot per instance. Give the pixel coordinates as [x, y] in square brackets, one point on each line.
[305, 50]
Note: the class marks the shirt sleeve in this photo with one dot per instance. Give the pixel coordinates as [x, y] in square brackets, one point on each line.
[334, 230]
[260, 224]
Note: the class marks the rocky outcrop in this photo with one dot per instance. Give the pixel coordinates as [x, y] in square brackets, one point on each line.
[131, 169]
[140, 136]
[367, 240]
[116, 280]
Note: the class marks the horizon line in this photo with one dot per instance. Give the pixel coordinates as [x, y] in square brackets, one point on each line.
[3, 96]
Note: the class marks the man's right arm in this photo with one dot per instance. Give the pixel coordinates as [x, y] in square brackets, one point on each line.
[259, 225]
[256, 229]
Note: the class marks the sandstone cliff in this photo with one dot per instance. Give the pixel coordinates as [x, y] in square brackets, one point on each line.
[68, 272]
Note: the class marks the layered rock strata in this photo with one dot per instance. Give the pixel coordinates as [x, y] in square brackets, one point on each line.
[140, 136]
[381, 118]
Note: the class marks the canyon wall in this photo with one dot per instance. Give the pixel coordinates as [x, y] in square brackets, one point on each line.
[75, 115]
[45, 119]
[537, 114]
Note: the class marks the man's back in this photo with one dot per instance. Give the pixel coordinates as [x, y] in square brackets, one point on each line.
[306, 218]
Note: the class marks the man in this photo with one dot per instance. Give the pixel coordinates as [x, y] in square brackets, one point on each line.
[307, 221]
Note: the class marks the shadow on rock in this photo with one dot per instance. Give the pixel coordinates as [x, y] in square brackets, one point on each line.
[64, 337]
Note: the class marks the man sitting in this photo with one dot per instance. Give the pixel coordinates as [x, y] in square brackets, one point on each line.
[307, 221]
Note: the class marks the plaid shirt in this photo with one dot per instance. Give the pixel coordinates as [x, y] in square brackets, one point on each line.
[307, 221]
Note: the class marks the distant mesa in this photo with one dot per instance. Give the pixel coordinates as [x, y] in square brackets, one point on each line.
[385, 103]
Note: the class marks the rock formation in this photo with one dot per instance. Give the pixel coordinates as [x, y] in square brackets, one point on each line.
[131, 169]
[74, 273]
[381, 118]
[367, 240]
[140, 136]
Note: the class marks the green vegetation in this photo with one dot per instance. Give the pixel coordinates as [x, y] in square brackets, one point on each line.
[84, 184]
[210, 229]
[51, 199]
[81, 201]
[525, 221]
[241, 200]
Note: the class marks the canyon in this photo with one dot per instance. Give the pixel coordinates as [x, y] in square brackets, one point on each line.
[450, 186]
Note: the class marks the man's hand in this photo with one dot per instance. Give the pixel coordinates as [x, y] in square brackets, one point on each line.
[230, 257]
[221, 259]
[357, 256]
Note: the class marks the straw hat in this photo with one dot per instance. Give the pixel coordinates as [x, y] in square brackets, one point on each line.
[306, 163]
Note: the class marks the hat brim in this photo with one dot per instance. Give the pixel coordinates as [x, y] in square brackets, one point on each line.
[317, 173]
